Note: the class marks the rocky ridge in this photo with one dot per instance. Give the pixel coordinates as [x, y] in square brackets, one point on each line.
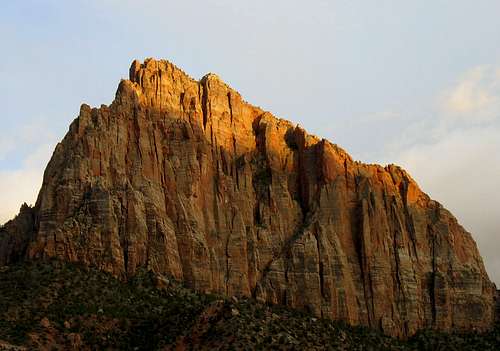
[185, 178]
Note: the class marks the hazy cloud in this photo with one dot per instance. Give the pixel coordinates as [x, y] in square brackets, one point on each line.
[17, 187]
[475, 98]
[21, 184]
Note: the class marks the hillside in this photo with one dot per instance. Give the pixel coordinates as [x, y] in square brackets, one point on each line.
[59, 306]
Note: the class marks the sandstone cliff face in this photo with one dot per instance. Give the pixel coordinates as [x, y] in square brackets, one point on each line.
[186, 178]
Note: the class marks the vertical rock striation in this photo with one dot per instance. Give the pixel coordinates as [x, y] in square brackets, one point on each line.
[186, 178]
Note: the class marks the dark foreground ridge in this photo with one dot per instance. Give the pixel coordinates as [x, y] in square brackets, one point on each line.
[60, 306]
[185, 178]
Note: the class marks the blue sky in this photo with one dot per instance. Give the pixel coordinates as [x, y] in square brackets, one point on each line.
[415, 83]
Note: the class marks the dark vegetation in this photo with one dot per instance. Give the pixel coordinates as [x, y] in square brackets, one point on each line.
[53, 305]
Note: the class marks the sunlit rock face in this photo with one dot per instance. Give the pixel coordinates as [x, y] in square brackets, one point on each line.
[186, 178]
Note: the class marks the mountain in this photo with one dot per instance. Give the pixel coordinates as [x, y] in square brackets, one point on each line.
[185, 178]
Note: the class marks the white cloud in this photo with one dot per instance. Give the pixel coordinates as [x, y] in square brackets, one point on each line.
[33, 143]
[475, 98]
[22, 185]
[17, 187]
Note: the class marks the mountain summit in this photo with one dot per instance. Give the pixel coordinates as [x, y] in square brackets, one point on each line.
[185, 178]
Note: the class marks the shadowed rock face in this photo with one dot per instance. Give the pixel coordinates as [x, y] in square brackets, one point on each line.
[186, 178]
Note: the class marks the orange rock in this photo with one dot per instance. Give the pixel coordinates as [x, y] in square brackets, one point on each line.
[187, 179]
[44, 322]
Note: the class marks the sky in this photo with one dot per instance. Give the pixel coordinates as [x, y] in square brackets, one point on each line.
[416, 83]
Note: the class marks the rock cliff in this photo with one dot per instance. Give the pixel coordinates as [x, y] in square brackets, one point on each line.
[186, 178]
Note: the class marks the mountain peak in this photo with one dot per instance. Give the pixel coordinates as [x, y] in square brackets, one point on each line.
[185, 178]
